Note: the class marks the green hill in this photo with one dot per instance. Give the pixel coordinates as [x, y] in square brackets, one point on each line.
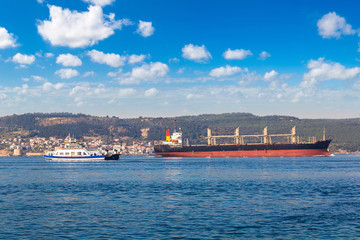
[344, 132]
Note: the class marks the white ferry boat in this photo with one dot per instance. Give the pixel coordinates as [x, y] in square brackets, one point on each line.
[74, 152]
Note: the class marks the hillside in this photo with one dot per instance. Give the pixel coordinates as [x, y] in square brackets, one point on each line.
[344, 132]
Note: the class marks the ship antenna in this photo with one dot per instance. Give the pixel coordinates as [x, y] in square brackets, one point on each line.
[174, 125]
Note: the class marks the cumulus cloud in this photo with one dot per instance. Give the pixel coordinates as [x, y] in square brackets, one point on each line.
[237, 54]
[146, 72]
[80, 90]
[195, 53]
[68, 60]
[225, 71]
[23, 90]
[49, 55]
[78, 29]
[136, 58]
[126, 92]
[89, 74]
[152, 92]
[270, 75]
[23, 59]
[111, 59]
[38, 78]
[145, 29]
[332, 25]
[100, 3]
[7, 40]
[114, 74]
[48, 87]
[322, 71]
[67, 73]
[264, 55]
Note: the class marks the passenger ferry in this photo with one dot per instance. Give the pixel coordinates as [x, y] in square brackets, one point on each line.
[74, 152]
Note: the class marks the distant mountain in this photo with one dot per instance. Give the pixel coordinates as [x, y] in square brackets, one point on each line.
[344, 132]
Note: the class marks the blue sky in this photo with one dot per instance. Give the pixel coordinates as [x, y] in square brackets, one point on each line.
[171, 58]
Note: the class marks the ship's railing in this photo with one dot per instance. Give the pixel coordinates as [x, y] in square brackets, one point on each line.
[264, 138]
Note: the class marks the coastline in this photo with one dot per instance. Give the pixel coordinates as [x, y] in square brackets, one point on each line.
[8, 153]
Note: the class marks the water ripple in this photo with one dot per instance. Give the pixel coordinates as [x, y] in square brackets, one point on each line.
[200, 198]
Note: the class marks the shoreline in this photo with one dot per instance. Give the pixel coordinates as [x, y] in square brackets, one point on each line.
[5, 153]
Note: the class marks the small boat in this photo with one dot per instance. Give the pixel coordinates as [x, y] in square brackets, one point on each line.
[74, 152]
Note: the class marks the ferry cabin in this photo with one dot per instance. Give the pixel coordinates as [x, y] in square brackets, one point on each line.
[75, 154]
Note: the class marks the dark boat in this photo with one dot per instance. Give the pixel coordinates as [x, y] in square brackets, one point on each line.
[112, 156]
[173, 147]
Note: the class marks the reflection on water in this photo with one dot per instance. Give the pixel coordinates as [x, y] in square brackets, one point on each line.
[165, 198]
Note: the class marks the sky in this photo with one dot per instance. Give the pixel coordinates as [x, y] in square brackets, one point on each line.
[132, 58]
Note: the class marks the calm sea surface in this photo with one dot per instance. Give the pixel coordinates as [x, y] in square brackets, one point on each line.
[181, 198]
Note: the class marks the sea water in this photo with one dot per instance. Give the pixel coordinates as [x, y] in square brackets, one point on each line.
[181, 198]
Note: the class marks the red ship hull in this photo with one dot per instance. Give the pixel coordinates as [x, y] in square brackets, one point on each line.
[318, 148]
[262, 153]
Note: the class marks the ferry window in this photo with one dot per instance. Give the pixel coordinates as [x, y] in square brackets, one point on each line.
[79, 153]
[67, 153]
[61, 153]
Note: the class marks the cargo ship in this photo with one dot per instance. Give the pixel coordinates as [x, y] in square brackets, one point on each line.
[173, 146]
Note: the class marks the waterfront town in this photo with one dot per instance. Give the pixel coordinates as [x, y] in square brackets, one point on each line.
[38, 146]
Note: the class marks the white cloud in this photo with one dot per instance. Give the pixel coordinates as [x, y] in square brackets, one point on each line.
[85, 89]
[23, 59]
[114, 74]
[195, 53]
[100, 90]
[80, 90]
[68, 60]
[225, 71]
[100, 3]
[79, 102]
[332, 25]
[270, 75]
[146, 72]
[174, 60]
[111, 59]
[38, 78]
[67, 73]
[7, 40]
[78, 29]
[49, 55]
[151, 92]
[126, 92]
[264, 55]
[23, 90]
[40, 1]
[136, 58]
[181, 70]
[238, 54]
[322, 71]
[48, 87]
[145, 29]
[89, 74]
